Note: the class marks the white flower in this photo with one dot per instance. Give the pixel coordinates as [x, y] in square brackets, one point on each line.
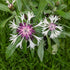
[25, 30]
[50, 26]
[38, 38]
[32, 45]
[19, 44]
[13, 25]
[13, 38]
[30, 15]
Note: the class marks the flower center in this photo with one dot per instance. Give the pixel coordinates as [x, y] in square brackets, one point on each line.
[52, 26]
[25, 31]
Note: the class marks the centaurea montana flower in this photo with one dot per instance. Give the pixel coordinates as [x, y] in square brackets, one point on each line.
[25, 30]
[51, 26]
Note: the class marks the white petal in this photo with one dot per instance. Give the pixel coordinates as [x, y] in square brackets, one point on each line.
[40, 24]
[55, 34]
[59, 27]
[13, 25]
[22, 17]
[13, 1]
[45, 32]
[7, 2]
[53, 18]
[32, 45]
[38, 39]
[13, 38]
[30, 15]
[19, 44]
[45, 21]
[44, 28]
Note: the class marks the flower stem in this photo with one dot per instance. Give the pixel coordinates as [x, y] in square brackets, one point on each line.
[49, 44]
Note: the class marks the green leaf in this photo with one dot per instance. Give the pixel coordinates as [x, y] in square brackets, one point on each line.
[50, 2]
[41, 50]
[5, 21]
[19, 4]
[4, 8]
[61, 7]
[11, 48]
[65, 15]
[42, 5]
[47, 11]
[67, 33]
[26, 4]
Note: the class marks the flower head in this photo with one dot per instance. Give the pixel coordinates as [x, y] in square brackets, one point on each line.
[10, 5]
[25, 30]
[50, 27]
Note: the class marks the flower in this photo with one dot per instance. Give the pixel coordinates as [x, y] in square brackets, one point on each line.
[10, 5]
[50, 27]
[25, 30]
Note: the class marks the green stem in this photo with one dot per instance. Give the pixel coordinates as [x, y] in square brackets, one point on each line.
[49, 44]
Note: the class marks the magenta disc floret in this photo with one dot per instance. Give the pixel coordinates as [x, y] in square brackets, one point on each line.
[25, 30]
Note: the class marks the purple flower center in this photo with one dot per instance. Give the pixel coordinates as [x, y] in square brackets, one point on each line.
[52, 26]
[25, 31]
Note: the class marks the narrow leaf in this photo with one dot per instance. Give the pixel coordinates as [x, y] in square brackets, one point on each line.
[2, 24]
[4, 8]
[41, 50]
[65, 15]
[11, 48]
[19, 4]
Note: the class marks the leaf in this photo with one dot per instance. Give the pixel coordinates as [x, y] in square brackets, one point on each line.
[61, 7]
[47, 11]
[41, 50]
[42, 4]
[49, 2]
[65, 15]
[11, 48]
[67, 33]
[19, 4]
[4, 8]
[26, 4]
[2, 24]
